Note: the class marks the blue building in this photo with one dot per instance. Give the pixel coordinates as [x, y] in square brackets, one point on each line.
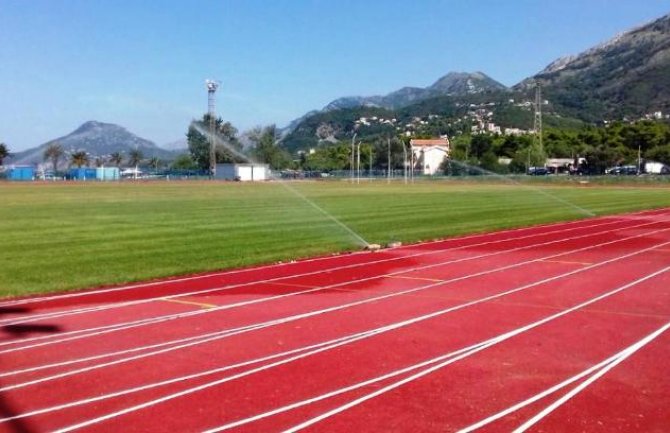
[82, 173]
[21, 172]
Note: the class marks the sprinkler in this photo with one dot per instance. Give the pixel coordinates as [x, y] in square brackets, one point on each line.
[373, 247]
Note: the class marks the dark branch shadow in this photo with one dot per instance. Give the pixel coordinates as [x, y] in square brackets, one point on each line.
[20, 330]
[14, 310]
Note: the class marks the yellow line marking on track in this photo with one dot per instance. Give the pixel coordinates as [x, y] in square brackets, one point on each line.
[302, 286]
[414, 278]
[565, 262]
[180, 301]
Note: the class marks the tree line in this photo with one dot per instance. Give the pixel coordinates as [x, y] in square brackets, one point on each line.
[601, 146]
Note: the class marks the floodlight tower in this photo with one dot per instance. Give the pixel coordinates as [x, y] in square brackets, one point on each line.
[537, 126]
[212, 86]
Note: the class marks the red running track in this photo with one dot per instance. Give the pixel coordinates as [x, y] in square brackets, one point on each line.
[559, 327]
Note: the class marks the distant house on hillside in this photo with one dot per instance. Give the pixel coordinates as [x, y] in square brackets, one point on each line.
[429, 154]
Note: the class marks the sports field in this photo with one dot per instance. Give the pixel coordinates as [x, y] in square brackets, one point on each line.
[551, 328]
[66, 236]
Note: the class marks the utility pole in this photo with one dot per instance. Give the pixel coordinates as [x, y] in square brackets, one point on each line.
[212, 86]
[351, 171]
[411, 162]
[404, 162]
[388, 160]
[537, 126]
[370, 173]
[358, 163]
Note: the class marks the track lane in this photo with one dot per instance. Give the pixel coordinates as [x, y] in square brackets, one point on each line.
[303, 282]
[412, 306]
[290, 304]
[182, 287]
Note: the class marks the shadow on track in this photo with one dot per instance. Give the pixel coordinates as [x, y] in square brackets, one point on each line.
[18, 331]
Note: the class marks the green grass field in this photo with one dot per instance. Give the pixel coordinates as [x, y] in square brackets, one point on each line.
[65, 236]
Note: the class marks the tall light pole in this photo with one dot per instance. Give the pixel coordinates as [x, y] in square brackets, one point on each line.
[351, 171]
[212, 86]
[404, 162]
[537, 124]
[358, 163]
[370, 173]
[388, 161]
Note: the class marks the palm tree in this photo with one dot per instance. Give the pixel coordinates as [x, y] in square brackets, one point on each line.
[4, 152]
[155, 162]
[54, 152]
[99, 161]
[79, 158]
[116, 158]
[134, 158]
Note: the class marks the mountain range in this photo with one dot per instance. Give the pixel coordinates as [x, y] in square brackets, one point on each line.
[452, 84]
[628, 76]
[97, 139]
[625, 77]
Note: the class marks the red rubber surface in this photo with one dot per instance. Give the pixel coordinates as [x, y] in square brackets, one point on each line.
[357, 342]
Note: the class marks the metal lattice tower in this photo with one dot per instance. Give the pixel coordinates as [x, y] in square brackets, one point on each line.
[537, 126]
[212, 86]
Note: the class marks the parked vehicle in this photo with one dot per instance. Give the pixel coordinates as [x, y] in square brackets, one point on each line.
[624, 170]
[537, 171]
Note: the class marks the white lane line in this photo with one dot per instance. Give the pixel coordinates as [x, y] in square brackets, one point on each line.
[51, 315]
[443, 364]
[621, 358]
[320, 347]
[23, 301]
[623, 354]
[90, 332]
[326, 344]
[408, 322]
[224, 334]
[614, 217]
[198, 312]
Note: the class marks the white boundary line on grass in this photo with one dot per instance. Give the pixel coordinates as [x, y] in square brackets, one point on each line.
[433, 364]
[93, 332]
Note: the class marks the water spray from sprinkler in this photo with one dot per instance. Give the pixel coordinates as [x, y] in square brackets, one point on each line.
[221, 141]
[538, 190]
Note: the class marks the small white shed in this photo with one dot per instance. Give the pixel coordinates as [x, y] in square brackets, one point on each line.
[243, 172]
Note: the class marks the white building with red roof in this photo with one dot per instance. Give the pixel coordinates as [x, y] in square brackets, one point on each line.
[428, 155]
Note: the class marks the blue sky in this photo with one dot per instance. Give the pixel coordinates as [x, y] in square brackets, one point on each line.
[143, 64]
